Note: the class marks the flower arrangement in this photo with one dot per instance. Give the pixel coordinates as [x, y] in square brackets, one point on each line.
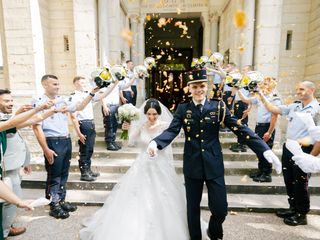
[127, 113]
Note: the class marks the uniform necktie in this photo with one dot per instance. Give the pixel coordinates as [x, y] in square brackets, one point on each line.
[199, 106]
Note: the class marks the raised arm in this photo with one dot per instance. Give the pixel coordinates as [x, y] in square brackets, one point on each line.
[102, 94]
[269, 106]
[22, 117]
[81, 105]
[242, 97]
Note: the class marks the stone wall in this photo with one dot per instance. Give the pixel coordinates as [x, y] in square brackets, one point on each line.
[228, 34]
[295, 18]
[312, 69]
[63, 57]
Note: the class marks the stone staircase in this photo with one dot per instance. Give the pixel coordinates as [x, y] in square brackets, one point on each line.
[243, 193]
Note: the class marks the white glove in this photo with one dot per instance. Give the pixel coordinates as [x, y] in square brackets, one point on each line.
[314, 133]
[152, 149]
[307, 163]
[272, 158]
[294, 147]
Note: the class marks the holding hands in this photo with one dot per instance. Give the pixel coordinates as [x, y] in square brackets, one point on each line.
[152, 149]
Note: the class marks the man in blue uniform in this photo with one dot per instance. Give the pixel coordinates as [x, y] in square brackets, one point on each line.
[54, 139]
[295, 179]
[203, 162]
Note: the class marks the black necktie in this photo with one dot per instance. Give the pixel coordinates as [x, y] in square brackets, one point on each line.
[199, 106]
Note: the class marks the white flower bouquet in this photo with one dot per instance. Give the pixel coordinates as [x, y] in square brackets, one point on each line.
[127, 113]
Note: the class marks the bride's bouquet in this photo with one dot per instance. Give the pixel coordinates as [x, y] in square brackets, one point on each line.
[127, 113]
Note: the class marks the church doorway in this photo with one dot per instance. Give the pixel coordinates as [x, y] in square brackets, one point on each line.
[173, 42]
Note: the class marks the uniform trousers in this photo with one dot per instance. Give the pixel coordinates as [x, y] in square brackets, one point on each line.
[218, 205]
[263, 165]
[239, 108]
[296, 182]
[134, 98]
[110, 123]
[58, 172]
[87, 128]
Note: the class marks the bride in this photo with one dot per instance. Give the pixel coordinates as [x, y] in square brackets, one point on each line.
[149, 200]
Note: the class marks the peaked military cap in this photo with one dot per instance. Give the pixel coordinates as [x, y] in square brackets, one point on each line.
[197, 75]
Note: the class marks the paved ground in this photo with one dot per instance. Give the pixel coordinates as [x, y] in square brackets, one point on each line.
[238, 226]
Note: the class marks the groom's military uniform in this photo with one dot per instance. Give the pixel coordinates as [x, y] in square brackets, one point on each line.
[203, 160]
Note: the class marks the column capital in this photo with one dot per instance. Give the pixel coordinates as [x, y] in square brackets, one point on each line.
[137, 17]
[213, 16]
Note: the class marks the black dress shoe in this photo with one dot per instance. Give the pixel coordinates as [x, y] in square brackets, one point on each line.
[263, 178]
[255, 174]
[295, 220]
[112, 147]
[87, 177]
[117, 145]
[238, 148]
[285, 213]
[94, 174]
[68, 207]
[56, 211]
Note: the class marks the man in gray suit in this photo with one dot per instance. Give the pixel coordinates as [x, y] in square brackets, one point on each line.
[17, 156]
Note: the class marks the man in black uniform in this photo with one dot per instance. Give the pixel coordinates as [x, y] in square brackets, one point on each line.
[203, 162]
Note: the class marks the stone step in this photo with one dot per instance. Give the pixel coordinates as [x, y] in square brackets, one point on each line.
[235, 184]
[116, 166]
[236, 202]
[100, 133]
[132, 152]
[179, 142]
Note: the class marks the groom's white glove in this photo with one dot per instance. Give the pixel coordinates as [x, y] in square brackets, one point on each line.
[272, 158]
[152, 149]
[307, 163]
[315, 133]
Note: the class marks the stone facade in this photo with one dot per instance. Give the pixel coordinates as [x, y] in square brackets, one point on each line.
[70, 37]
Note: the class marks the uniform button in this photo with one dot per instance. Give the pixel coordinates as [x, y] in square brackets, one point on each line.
[197, 135]
[201, 120]
[202, 150]
[201, 130]
[202, 140]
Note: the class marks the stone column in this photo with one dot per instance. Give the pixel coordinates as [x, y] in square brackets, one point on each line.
[206, 32]
[104, 31]
[140, 58]
[141, 39]
[85, 31]
[134, 20]
[248, 34]
[268, 37]
[214, 31]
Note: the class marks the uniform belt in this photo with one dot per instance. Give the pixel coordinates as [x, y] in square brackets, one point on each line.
[86, 120]
[58, 138]
[263, 124]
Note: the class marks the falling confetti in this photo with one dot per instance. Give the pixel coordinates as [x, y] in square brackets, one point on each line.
[240, 19]
[127, 35]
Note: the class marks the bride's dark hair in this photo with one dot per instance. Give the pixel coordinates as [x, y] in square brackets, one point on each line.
[152, 103]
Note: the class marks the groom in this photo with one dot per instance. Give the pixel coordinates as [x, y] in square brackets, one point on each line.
[203, 162]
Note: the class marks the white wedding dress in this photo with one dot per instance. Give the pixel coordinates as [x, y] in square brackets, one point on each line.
[148, 203]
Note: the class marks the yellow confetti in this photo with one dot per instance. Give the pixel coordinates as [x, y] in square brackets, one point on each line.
[178, 11]
[127, 35]
[148, 18]
[168, 43]
[240, 19]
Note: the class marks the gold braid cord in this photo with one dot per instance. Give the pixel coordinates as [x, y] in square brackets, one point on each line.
[224, 108]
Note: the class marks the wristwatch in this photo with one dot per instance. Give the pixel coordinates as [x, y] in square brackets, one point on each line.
[91, 94]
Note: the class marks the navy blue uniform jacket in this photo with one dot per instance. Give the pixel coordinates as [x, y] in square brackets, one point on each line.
[202, 157]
